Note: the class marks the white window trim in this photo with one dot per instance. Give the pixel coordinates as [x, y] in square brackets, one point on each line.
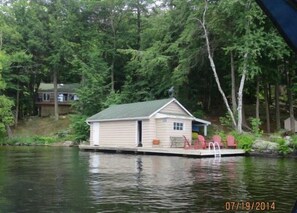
[178, 126]
[47, 95]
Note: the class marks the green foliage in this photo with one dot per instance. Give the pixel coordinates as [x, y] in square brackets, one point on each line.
[256, 123]
[104, 44]
[245, 141]
[198, 113]
[6, 116]
[194, 135]
[294, 142]
[80, 128]
[33, 140]
[113, 98]
[44, 139]
[283, 146]
[226, 121]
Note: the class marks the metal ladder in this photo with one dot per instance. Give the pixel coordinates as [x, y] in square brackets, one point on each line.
[216, 148]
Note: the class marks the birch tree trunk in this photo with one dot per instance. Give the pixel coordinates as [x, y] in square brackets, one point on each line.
[212, 64]
[240, 94]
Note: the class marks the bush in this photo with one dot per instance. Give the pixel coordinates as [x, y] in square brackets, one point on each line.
[44, 140]
[80, 128]
[194, 135]
[34, 140]
[198, 113]
[256, 123]
[226, 121]
[283, 146]
[294, 142]
[244, 141]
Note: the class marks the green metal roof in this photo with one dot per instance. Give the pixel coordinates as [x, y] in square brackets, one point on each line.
[130, 111]
[49, 87]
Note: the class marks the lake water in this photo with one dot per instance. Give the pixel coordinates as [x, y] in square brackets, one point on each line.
[55, 179]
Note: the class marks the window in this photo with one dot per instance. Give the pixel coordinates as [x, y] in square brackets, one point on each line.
[73, 97]
[46, 96]
[178, 126]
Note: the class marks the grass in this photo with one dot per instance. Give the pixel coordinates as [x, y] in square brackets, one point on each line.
[41, 127]
[40, 131]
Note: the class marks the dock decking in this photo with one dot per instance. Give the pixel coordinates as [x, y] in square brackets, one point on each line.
[163, 151]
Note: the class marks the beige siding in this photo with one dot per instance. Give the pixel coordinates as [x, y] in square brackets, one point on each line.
[173, 108]
[117, 133]
[148, 132]
[165, 130]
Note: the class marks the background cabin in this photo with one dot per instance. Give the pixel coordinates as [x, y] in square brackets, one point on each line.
[46, 100]
[287, 125]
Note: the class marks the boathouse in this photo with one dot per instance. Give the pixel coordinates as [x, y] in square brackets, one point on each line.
[141, 123]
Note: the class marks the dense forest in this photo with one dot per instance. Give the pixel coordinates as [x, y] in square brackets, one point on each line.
[221, 57]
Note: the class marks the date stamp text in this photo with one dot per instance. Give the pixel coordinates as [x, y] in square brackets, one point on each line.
[250, 205]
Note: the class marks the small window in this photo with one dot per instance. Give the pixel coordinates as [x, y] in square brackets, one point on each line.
[178, 126]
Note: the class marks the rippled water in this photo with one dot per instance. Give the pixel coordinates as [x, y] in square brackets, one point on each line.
[49, 179]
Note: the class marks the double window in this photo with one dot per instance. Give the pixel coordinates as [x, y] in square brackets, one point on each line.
[178, 126]
[46, 97]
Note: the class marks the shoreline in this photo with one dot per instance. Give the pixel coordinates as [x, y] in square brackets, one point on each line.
[262, 153]
[55, 144]
[271, 155]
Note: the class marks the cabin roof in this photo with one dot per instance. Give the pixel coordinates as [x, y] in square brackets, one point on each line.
[49, 87]
[131, 110]
[138, 110]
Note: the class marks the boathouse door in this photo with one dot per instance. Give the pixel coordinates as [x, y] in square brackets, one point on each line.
[139, 133]
[96, 134]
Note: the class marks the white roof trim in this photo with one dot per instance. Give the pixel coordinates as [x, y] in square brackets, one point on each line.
[173, 100]
[202, 121]
[119, 119]
[163, 115]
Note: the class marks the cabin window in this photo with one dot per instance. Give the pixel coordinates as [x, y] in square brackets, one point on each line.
[178, 126]
[46, 96]
[60, 98]
[73, 97]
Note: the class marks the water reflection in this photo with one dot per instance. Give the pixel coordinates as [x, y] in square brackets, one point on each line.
[66, 180]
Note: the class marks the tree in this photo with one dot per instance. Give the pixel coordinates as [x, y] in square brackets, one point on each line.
[6, 116]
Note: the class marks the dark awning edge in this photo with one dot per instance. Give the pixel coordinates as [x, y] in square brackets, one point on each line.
[273, 16]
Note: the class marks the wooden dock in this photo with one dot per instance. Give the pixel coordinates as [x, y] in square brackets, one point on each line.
[163, 151]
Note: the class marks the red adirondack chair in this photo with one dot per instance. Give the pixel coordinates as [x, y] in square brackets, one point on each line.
[202, 141]
[188, 145]
[231, 142]
[218, 139]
